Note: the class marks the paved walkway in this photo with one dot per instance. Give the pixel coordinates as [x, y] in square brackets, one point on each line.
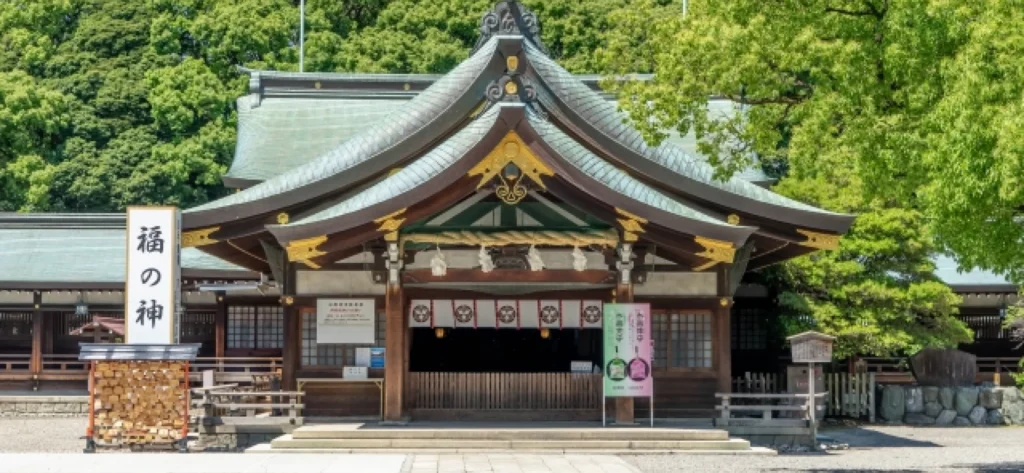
[310, 463]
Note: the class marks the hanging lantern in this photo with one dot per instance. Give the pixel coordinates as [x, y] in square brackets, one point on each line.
[439, 333]
[545, 333]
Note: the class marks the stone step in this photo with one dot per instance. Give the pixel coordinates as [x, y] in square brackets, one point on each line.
[266, 448]
[335, 432]
[287, 442]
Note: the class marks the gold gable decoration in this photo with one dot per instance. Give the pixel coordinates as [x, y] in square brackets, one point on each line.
[511, 150]
[821, 241]
[390, 223]
[716, 250]
[197, 238]
[631, 225]
[305, 250]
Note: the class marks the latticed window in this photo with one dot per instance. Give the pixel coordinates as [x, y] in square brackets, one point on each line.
[256, 327]
[16, 324]
[682, 339]
[749, 329]
[198, 324]
[332, 355]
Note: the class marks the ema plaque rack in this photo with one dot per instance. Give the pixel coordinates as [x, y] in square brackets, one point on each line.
[138, 395]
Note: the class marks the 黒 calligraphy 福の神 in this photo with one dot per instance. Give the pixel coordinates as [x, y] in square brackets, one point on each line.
[152, 313]
[151, 240]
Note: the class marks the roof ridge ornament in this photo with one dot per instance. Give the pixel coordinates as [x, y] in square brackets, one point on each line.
[509, 17]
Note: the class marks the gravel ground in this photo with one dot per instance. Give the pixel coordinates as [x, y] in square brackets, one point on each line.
[42, 435]
[873, 448]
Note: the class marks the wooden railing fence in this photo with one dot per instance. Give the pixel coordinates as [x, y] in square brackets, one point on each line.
[759, 383]
[213, 404]
[769, 409]
[505, 391]
[851, 395]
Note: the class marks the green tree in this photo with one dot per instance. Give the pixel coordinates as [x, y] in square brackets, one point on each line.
[877, 293]
[922, 97]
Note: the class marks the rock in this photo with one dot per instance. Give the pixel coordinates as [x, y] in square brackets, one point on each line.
[932, 409]
[892, 407]
[914, 399]
[966, 399]
[961, 421]
[990, 398]
[917, 418]
[946, 398]
[1010, 395]
[1013, 413]
[977, 415]
[931, 394]
[994, 417]
[945, 417]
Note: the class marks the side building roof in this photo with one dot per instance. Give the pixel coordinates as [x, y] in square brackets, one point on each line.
[39, 251]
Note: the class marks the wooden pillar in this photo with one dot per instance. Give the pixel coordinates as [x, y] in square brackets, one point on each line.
[395, 335]
[36, 361]
[220, 329]
[292, 332]
[723, 334]
[624, 406]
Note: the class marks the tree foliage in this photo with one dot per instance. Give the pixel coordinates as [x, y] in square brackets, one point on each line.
[924, 98]
[106, 103]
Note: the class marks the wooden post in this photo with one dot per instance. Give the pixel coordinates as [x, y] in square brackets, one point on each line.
[292, 340]
[36, 361]
[723, 337]
[395, 333]
[624, 406]
[220, 333]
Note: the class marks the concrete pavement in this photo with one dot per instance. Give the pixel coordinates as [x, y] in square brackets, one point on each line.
[310, 463]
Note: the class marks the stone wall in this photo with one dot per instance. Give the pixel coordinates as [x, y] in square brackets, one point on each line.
[44, 406]
[945, 406]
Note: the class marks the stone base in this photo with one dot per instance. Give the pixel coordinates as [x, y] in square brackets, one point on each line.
[44, 406]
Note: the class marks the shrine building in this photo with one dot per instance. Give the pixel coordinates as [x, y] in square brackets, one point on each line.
[486, 215]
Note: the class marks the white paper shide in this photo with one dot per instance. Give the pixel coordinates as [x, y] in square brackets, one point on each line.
[151, 282]
[346, 321]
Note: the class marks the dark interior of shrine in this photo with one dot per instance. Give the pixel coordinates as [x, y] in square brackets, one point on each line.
[506, 350]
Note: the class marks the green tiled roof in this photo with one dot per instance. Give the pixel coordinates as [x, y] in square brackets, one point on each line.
[948, 271]
[605, 116]
[420, 171]
[77, 255]
[613, 177]
[285, 133]
[389, 132]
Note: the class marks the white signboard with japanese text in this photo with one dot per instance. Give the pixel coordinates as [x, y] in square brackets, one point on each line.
[151, 289]
[346, 321]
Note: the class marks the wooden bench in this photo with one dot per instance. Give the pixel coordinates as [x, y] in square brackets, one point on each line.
[218, 401]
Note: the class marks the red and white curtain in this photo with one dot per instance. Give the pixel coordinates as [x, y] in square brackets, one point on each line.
[505, 313]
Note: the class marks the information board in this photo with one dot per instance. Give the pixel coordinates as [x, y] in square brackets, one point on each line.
[627, 350]
[346, 321]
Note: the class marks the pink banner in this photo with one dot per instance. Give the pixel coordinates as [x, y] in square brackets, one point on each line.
[627, 350]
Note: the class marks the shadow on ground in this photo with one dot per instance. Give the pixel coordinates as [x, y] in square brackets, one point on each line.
[864, 437]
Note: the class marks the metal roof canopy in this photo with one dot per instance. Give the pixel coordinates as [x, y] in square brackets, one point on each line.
[129, 352]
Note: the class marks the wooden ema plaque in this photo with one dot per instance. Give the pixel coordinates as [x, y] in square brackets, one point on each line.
[139, 403]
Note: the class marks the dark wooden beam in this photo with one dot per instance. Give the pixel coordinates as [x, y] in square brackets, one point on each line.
[292, 332]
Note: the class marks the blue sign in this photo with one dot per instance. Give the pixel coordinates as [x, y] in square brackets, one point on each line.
[376, 357]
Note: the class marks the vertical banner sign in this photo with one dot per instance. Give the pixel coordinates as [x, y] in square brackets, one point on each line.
[346, 321]
[627, 350]
[151, 292]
